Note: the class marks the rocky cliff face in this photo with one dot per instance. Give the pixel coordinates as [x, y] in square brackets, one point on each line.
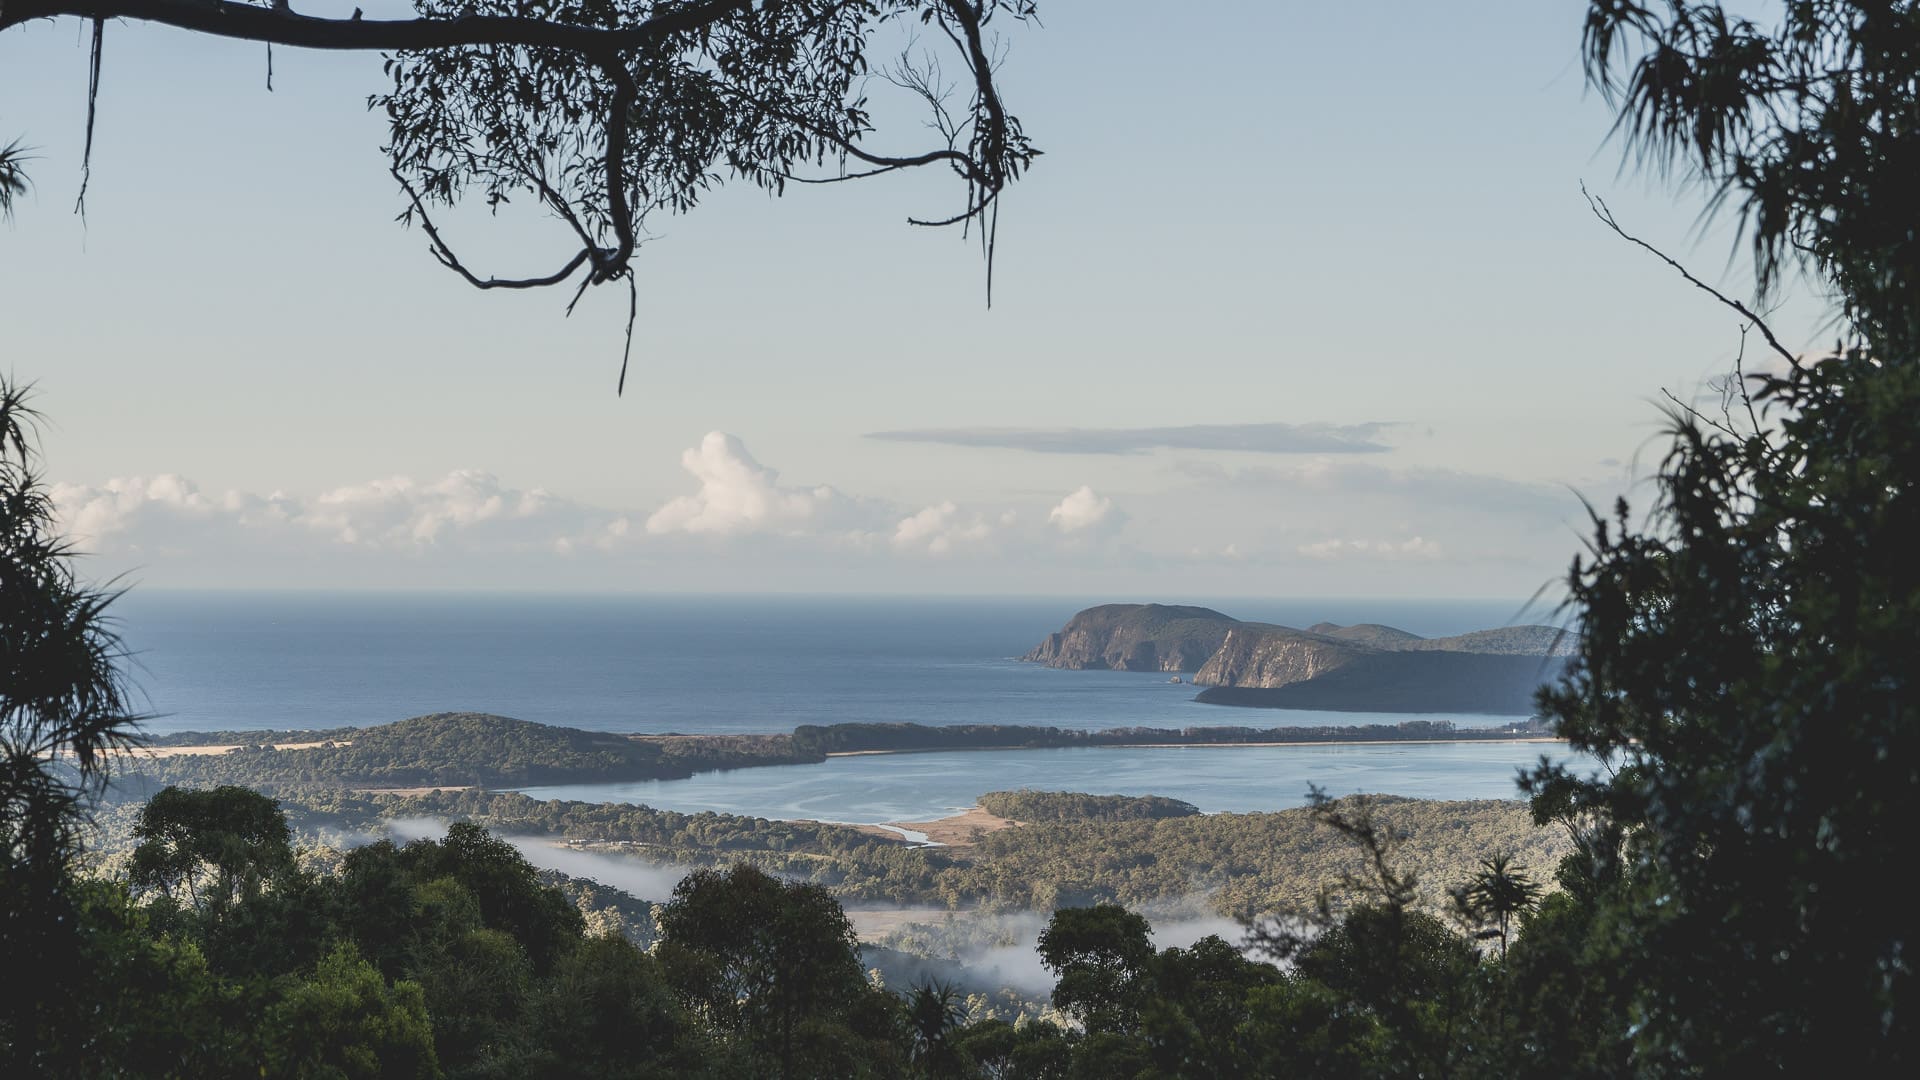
[1275, 656]
[1372, 661]
[1135, 637]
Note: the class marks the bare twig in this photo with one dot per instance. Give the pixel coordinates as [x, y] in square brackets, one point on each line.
[452, 262]
[1600, 210]
[93, 105]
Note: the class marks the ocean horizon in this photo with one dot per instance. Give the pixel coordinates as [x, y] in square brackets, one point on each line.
[695, 664]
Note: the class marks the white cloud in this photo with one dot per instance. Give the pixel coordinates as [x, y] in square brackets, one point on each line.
[398, 512]
[170, 511]
[1409, 549]
[129, 506]
[738, 496]
[937, 529]
[1082, 512]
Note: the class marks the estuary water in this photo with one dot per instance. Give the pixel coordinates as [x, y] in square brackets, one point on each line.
[871, 789]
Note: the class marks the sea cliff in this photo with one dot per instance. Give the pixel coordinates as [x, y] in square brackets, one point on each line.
[1367, 667]
[1135, 637]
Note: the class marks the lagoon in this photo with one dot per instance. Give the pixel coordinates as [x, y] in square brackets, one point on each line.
[877, 788]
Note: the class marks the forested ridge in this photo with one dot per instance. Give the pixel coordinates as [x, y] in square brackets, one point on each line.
[462, 749]
[482, 750]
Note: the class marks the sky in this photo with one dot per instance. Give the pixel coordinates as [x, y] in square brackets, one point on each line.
[1302, 300]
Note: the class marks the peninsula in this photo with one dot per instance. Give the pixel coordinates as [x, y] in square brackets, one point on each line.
[1362, 668]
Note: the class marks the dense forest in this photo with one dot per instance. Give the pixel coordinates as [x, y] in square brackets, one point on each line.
[1027, 805]
[221, 949]
[1077, 849]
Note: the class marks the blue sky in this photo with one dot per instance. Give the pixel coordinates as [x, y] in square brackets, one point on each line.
[1302, 300]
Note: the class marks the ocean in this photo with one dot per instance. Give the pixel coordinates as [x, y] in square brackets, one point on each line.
[277, 661]
[696, 665]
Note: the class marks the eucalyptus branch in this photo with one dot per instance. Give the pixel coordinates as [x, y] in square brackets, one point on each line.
[279, 25]
[1601, 211]
[448, 259]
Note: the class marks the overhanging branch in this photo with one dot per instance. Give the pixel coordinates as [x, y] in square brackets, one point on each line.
[280, 26]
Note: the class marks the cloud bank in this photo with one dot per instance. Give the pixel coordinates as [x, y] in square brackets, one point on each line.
[738, 508]
[736, 524]
[396, 513]
[1269, 438]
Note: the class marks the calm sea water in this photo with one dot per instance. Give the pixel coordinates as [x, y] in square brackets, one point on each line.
[211, 661]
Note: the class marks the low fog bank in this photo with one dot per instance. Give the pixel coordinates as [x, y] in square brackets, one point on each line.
[994, 949]
[644, 880]
[1002, 949]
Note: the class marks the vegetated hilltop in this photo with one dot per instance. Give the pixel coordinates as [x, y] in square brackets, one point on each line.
[461, 749]
[1368, 667]
[1136, 637]
[1029, 806]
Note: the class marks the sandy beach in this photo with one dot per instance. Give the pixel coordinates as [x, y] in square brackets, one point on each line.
[200, 751]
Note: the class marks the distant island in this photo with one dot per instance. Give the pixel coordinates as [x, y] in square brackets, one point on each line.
[1362, 668]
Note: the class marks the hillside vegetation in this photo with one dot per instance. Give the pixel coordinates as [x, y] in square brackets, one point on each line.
[462, 749]
[1036, 806]
[1232, 863]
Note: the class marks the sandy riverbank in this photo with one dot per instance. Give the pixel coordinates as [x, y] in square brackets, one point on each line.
[1205, 745]
[201, 751]
[960, 830]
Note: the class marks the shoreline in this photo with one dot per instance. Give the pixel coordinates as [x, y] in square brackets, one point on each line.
[1204, 745]
[956, 830]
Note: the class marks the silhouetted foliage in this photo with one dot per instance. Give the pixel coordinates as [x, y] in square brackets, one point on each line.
[214, 848]
[13, 177]
[1747, 661]
[1100, 956]
[775, 966]
[1810, 125]
[65, 711]
[1498, 893]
